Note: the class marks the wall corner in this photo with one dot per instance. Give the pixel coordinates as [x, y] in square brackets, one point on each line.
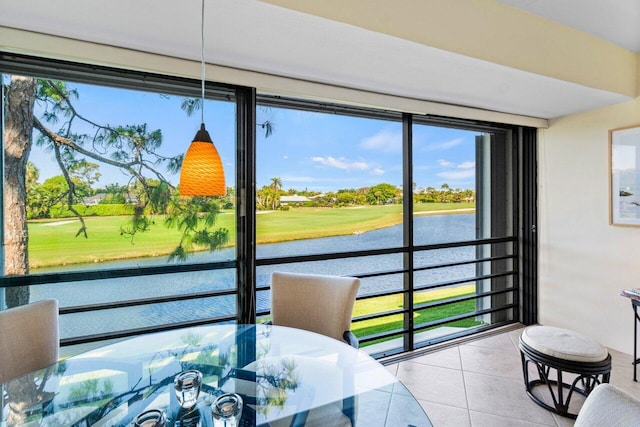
[638, 75]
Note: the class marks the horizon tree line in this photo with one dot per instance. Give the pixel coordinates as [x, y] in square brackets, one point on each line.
[52, 192]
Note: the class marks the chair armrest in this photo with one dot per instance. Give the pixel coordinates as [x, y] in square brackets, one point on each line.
[351, 339]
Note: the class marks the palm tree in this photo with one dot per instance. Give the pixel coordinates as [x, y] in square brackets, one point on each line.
[276, 184]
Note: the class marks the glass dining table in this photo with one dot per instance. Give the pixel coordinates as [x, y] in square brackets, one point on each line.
[285, 377]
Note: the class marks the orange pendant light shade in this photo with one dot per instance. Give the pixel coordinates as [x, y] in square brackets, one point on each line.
[202, 173]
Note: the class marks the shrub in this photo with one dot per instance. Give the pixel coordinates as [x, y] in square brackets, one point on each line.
[94, 210]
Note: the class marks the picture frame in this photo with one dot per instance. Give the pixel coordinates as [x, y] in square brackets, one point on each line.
[624, 176]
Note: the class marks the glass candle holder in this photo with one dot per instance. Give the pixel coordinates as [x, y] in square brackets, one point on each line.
[187, 418]
[151, 418]
[226, 410]
[187, 387]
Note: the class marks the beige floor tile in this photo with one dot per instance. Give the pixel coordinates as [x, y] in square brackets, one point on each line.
[622, 373]
[626, 383]
[446, 416]
[515, 336]
[447, 358]
[576, 402]
[504, 397]
[480, 384]
[621, 360]
[501, 341]
[393, 369]
[563, 421]
[480, 419]
[491, 361]
[433, 384]
[403, 413]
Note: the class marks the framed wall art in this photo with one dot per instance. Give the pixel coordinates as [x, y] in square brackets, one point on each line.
[624, 176]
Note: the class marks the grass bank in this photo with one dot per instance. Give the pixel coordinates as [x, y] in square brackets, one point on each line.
[395, 321]
[53, 243]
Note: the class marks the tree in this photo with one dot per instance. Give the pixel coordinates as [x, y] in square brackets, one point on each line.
[346, 197]
[37, 205]
[19, 100]
[53, 190]
[382, 194]
[267, 198]
[114, 194]
[76, 141]
[85, 173]
[276, 184]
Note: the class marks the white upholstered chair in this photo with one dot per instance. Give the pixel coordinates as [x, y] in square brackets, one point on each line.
[29, 338]
[321, 304]
[607, 405]
[316, 303]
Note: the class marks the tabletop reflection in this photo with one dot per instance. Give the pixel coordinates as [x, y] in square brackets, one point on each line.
[283, 376]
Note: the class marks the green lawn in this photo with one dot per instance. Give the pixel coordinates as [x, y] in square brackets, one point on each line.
[389, 323]
[53, 242]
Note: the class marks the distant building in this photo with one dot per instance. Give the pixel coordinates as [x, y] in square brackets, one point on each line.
[295, 199]
[93, 200]
[129, 199]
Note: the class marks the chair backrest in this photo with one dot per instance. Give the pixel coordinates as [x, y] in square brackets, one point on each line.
[608, 405]
[322, 304]
[29, 338]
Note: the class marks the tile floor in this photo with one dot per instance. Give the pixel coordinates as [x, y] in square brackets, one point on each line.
[479, 383]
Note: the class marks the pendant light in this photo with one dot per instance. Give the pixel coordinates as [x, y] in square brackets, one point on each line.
[202, 173]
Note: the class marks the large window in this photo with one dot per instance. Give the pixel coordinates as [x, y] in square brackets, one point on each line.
[91, 183]
[333, 199]
[426, 211]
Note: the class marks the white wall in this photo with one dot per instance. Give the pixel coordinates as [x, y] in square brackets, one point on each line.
[585, 262]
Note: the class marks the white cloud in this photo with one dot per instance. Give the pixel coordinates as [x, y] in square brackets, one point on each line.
[377, 171]
[464, 165]
[359, 165]
[457, 175]
[457, 171]
[384, 141]
[340, 163]
[445, 145]
[285, 157]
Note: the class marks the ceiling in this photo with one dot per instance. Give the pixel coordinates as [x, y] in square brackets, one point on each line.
[617, 21]
[253, 35]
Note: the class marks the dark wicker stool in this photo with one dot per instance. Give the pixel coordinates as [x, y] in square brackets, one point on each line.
[551, 349]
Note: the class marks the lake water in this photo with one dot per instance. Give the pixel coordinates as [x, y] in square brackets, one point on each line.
[428, 229]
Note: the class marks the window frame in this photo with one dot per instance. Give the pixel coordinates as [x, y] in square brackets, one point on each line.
[522, 190]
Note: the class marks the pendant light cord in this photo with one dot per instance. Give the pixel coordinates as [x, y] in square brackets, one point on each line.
[202, 62]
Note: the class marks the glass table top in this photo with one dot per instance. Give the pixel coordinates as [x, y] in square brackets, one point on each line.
[285, 376]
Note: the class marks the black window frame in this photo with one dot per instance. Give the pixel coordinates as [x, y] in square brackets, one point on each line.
[523, 191]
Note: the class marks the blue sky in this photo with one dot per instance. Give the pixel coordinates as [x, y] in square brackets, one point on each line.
[316, 151]
[325, 152]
